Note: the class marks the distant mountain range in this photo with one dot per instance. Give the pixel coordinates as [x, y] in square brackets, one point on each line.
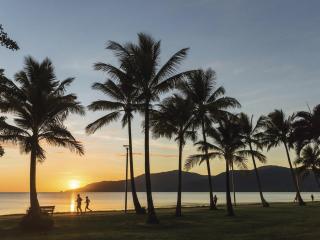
[274, 179]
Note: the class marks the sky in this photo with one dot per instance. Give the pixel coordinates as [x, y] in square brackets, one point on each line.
[265, 53]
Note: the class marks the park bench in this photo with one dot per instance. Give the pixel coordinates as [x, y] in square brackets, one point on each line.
[46, 209]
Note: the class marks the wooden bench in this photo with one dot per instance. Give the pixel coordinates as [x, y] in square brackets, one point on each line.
[46, 209]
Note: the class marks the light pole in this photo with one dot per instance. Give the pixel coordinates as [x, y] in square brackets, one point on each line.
[126, 186]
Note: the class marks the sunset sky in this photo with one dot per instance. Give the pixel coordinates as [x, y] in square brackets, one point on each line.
[265, 53]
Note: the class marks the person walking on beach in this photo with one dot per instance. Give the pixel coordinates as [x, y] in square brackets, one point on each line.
[215, 199]
[87, 204]
[79, 201]
[312, 197]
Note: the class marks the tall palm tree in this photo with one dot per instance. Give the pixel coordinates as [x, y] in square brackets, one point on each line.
[309, 160]
[151, 81]
[123, 100]
[39, 104]
[210, 105]
[252, 138]
[174, 119]
[228, 145]
[278, 130]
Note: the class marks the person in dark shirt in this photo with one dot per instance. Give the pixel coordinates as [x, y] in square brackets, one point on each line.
[87, 204]
[79, 201]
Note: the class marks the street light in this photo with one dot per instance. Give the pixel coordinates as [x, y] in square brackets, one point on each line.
[126, 186]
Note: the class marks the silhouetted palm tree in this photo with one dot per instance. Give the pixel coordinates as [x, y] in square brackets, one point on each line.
[309, 160]
[210, 105]
[306, 128]
[278, 130]
[143, 60]
[228, 145]
[39, 104]
[174, 119]
[252, 138]
[123, 100]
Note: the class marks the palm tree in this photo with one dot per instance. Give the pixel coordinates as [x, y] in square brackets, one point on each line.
[151, 81]
[309, 160]
[228, 145]
[278, 130]
[123, 95]
[252, 138]
[306, 128]
[210, 105]
[39, 104]
[174, 119]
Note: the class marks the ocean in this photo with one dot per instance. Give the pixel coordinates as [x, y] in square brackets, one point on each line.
[15, 203]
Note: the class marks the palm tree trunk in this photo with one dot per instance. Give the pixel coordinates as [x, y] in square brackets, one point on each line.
[152, 217]
[178, 207]
[212, 204]
[34, 203]
[233, 185]
[297, 177]
[263, 201]
[136, 203]
[228, 195]
[294, 178]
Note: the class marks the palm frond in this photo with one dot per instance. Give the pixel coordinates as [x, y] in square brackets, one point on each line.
[170, 67]
[99, 123]
[101, 105]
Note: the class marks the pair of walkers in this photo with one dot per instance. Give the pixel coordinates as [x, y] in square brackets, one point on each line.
[79, 202]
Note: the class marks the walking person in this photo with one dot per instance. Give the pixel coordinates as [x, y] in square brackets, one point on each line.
[87, 204]
[312, 197]
[215, 199]
[79, 201]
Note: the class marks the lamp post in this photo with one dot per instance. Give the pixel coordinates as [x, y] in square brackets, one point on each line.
[126, 184]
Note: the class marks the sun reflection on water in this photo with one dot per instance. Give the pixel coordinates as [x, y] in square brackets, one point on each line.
[72, 205]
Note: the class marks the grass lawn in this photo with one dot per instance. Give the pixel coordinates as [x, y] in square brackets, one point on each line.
[280, 221]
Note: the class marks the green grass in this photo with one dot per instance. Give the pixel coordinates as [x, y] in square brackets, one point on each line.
[280, 221]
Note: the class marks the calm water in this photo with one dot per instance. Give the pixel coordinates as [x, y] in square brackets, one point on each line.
[12, 203]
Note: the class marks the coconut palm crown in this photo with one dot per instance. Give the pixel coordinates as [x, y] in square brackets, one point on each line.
[309, 160]
[306, 128]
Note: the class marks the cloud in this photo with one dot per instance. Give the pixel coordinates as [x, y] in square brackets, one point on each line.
[151, 154]
[163, 155]
[135, 154]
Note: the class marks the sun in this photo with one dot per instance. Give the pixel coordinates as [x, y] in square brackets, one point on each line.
[73, 184]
